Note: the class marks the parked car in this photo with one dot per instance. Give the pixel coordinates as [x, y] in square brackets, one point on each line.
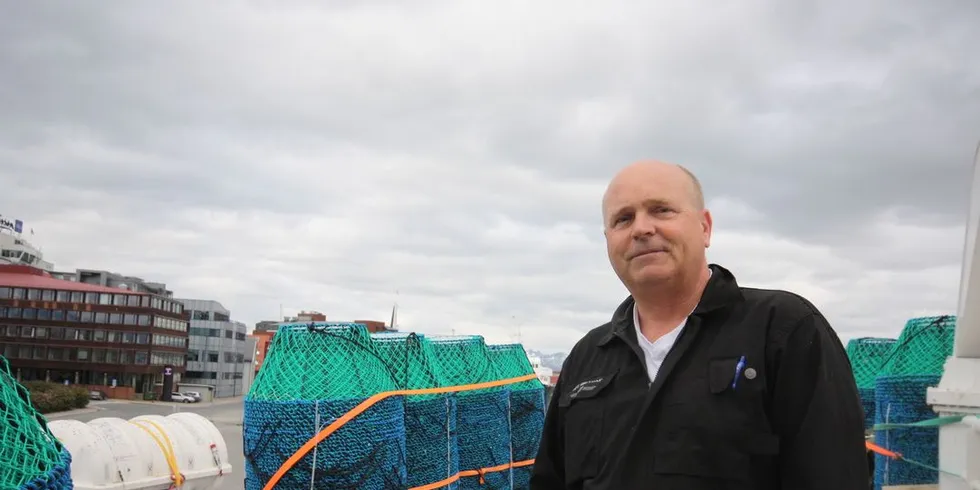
[180, 397]
[97, 395]
[193, 394]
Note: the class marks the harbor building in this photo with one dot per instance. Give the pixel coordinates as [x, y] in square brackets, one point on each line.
[220, 355]
[70, 331]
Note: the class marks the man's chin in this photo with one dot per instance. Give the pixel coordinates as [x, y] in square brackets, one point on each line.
[653, 274]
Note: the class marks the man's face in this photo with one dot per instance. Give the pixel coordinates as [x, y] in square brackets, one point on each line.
[654, 227]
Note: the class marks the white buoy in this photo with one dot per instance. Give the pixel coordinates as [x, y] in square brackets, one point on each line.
[144, 452]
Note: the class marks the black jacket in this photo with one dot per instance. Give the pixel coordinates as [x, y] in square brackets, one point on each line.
[793, 420]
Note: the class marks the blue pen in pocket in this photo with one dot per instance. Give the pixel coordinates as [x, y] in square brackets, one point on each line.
[738, 371]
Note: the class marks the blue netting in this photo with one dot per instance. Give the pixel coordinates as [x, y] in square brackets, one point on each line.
[57, 478]
[527, 422]
[483, 423]
[430, 420]
[366, 453]
[898, 400]
[868, 402]
[431, 442]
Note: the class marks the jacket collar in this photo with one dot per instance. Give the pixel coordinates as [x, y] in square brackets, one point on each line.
[722, 290]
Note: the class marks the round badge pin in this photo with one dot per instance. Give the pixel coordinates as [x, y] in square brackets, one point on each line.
[750, 373]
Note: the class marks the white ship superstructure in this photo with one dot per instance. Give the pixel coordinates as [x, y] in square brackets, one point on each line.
[15, 249]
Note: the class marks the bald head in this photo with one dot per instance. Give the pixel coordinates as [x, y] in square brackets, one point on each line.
[655, 171]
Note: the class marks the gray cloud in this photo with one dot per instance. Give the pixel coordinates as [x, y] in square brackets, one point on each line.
[329, 157]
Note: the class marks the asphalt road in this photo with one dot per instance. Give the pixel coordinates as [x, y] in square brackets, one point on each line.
[226, 415]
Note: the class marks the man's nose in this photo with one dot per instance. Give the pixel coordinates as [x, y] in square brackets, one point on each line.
[644, 225]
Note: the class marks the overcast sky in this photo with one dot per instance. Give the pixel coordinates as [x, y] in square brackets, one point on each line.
[451, 155]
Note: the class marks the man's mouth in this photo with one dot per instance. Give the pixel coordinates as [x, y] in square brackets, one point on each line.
[647, 252]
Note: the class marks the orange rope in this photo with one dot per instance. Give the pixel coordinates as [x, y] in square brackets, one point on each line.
[366, 404]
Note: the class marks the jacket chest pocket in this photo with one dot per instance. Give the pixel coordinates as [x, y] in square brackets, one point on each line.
[718, 430]
[737, 392]
[584, 407]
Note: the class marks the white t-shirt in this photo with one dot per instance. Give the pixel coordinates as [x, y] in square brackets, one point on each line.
[655, 352]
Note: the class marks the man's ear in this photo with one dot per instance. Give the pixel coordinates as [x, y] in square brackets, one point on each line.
[706, 226]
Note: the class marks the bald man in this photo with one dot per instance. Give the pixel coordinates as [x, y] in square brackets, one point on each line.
[696, 382]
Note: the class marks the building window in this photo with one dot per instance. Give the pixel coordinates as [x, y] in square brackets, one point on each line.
[58, 315]
[43, 314]
[115, 318]
[112, 356]
[13, 312]
[101, 317]
[83, 355]
[144, 320]
[129, 337]
[34, 294]
[119, 300]
[29, 314]
[63, 296]
[92, 298]
[56, 353]
[87, 316]
[129, 319]
[77, 297]
[200, 315]
[143, 338]
[99, 336]
[114, 337]
[47, 295]
[73, 316]
[19, 293]
[141, 357]
[105, 299]
[229, 334]
[57, 333]
[212, 357]
[221, 317]
[40, 332]
[5, 293]
[98, 355]
[145, 301]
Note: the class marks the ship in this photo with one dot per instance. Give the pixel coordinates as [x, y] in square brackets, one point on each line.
[17, 250]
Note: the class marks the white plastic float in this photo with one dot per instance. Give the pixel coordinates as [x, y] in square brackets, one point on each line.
[144, 452]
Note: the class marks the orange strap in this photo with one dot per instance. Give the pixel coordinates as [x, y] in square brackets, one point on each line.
[373, 399]
[882, 451]
[480, 473]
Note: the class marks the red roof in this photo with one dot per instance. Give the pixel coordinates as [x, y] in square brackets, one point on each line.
[22, 276]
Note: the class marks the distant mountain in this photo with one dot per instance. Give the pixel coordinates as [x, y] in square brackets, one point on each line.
[552, 361]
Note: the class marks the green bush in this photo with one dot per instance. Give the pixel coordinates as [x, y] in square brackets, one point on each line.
[53, 397]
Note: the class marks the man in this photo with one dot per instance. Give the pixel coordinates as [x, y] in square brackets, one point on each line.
[696, 382]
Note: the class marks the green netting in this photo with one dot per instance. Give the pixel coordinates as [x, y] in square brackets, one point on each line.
[28, 450]
[511, 361]
[922, 348]
[322, 361]
[465, 360]
[411, 360]
[867, 356]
